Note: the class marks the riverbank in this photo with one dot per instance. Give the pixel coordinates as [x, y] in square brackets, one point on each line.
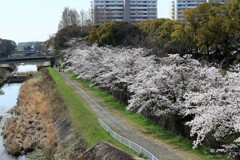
[83, 119]
[4, 74]
[8, 100]
[43, 127]
[33, 126]
[39, 126]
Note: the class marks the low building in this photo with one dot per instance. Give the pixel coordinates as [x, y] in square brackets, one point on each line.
[29, 48]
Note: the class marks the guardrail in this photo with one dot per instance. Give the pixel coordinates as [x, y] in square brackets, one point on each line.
[26, 57]
[128, 143]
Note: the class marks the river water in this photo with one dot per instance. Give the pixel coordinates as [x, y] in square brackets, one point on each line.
[8, 100]
[26, 68]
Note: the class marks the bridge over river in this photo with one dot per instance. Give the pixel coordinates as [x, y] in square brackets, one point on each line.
[40, 61]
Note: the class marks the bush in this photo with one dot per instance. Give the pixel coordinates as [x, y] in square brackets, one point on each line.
[115, 33]
[66, 34]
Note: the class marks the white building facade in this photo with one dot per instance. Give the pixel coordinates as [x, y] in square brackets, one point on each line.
[124, 10]
[178, 6]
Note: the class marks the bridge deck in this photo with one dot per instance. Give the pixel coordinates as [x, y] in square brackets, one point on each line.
[26, 59]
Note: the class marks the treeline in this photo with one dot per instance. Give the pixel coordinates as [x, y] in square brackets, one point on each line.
[71, 25]
[179, 94]
[6, 47]
[210, 31]
[66, 34]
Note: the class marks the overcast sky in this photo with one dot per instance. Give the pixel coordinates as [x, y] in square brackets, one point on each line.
[36, 20]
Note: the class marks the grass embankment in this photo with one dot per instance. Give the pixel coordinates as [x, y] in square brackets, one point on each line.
[148, 126]
[33, 127]
[82, 117]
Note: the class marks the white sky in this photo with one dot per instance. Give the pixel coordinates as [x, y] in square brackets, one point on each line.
[35, 20]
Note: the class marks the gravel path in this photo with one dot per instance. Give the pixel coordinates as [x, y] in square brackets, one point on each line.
[162, 152]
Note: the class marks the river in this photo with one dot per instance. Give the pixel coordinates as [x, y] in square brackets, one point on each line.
[8, 100]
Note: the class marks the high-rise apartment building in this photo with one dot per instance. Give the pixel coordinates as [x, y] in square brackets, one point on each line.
[124, 10]
[178, 6]
[219, 1]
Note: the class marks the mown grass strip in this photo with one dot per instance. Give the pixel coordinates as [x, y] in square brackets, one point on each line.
[150, 127]
[82, 117]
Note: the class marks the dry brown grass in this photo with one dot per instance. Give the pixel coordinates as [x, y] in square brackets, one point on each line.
[34, 125]
[31, 100]
[57, 105]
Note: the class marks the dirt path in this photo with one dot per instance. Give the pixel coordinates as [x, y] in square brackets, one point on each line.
[159, 149]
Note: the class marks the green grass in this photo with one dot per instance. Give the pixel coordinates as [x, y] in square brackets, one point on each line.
[151, 128]
[38, 75]
[82, 117]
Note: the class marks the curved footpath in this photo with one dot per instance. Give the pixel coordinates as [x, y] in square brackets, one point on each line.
[159, 150]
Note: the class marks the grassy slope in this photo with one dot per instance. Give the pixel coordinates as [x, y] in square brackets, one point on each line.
[148, 126]
[82, 117]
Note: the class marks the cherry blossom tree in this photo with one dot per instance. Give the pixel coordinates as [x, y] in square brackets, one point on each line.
[169, 85]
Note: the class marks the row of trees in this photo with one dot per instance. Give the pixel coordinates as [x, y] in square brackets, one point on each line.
[73, 24]
[115, 33]
[64, 35]
[211, 32]
[214, 30]
[200, 96]
[72, 17]
[7, 47]
[180, 88]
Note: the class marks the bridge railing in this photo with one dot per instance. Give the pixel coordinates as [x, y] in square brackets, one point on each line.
[139, 149]
[27, 57]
